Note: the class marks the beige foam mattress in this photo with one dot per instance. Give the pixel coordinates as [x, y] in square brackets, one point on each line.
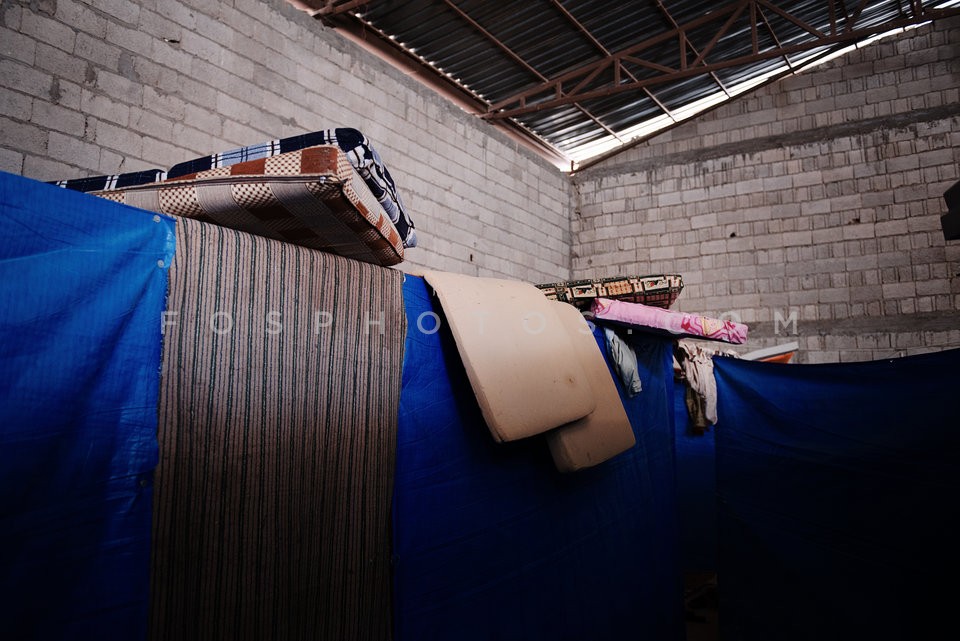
[517, 354]
[604, 432]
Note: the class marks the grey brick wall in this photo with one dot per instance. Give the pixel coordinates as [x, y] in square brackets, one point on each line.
[817, 198]
[106, 86]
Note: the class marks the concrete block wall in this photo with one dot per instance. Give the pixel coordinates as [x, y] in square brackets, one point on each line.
[816, 200]
[104, 86]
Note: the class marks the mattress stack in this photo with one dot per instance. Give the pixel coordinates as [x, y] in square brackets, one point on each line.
[279, 390]
[326, 190]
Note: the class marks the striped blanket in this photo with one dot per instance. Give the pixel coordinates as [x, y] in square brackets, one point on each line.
[278, 412]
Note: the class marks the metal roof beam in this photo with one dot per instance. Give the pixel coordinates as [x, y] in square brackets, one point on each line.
[723, 30]
[551, 94]
[686, 43]
[369, 37]
[816, 33]
[495, 40]
[572, 19]
[523, 63]
[329, 8]
[773, 34]
[856, 14]
[615, 59]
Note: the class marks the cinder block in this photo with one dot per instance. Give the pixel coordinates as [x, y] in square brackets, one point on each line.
[57, 118]
[80, 153]
[118, 87]
[899, 290]
[11, 161]
[17, 46]
[910, 192]
[852, 232]
[859, 263]
[122, 10]
[902, 163]
[134, 40]
[803, 297]
[201, 46]
[16, 105]
[242, 23]
[53, 32]
[797, 238]
[22, 137]
[903, 340]
[97, 51]
[845, 203]
[119, 139]
[25, 79]
[822, 357]
[105, 108]
[834, 295]
[49, 169]
[855, 356]
[840, 342]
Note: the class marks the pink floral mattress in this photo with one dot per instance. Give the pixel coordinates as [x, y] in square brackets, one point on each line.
[679, 324]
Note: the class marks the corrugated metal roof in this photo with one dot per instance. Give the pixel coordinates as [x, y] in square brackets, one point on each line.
[585, 76]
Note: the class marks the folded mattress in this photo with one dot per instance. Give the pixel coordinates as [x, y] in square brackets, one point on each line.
[373, 226]
[311, 197]
[517, 354]
[604, 432]
[359, 151]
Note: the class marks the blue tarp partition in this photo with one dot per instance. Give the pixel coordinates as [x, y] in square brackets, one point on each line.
[491, 542]
[839, 497]
[696, 490]
[82, 287]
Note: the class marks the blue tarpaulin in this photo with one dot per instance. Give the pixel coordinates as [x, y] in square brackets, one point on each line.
[82, 288]
[838, 499]
[696, 490]
[491, 542]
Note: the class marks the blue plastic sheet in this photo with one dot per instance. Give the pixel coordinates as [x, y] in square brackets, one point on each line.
[838, 488]
[491, 542]
[696, 490]
[82, 288]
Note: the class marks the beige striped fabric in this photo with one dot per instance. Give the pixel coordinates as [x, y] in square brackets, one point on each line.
[278, 414]
[311, 197]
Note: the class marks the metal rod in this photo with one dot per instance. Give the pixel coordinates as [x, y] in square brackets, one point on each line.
[716, 37]
[331, 8]
[797, 21]
[773, 34]
[856, 15]
[646, 63]
[703, 69]
[684, 42]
